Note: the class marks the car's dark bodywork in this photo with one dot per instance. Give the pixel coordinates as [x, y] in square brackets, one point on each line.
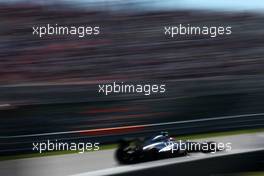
[158, 147]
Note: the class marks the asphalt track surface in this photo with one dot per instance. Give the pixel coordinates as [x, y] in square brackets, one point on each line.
[103, 162]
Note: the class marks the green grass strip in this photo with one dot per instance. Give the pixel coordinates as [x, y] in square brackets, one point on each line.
[113, 146]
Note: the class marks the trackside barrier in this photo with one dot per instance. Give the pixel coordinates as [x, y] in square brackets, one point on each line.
[231, 163]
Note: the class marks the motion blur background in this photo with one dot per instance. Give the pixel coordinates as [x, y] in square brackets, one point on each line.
[50, 84]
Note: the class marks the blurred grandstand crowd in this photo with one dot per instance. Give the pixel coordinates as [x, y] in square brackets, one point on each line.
[204, 77]
[130, 47]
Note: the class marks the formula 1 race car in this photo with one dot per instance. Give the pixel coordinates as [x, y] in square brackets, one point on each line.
[159, 147]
